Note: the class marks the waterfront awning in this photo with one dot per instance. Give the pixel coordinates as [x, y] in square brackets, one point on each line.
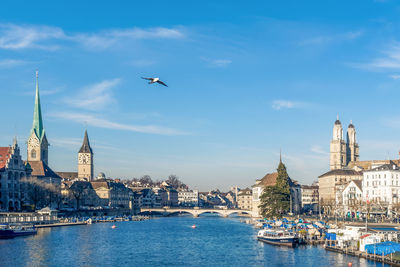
[383, 248]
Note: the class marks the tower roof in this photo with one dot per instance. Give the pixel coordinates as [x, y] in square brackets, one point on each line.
[85, 148]
[337, 122]
[351, 125]
[37, 125]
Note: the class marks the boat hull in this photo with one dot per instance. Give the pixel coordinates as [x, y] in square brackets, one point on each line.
[288, 242]
[7, 234]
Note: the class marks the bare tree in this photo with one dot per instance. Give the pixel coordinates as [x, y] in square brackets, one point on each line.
[80, 190]
[35, 190]
[174, 181]
[146, 179]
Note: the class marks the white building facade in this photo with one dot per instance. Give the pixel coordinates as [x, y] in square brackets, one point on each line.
[188, 198]
[381, 184]
[352, 197]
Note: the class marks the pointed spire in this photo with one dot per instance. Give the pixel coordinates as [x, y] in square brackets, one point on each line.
[85, 148]
[337, 116]
[37, 125]
[280, 155]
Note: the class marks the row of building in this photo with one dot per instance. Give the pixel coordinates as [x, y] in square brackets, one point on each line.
[33, 184]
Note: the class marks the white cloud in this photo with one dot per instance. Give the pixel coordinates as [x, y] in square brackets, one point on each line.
[390, 60]
[348, 36]
[107, 124]
[44, 92]
[28, 36]
[395, 76]
[221, 62]
[14, 36]
[319, 150]
[96, 96]
[8, 63]
[66, 142]
[143, 62]
[286, 104]
[217, 62]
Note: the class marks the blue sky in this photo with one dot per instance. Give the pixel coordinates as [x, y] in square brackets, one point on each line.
[245, 79]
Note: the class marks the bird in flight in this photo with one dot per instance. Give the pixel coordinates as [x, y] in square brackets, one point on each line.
[155, 80]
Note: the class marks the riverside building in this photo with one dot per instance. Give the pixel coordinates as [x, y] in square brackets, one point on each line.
[381, 184]
[245, 199]
[12, 172]
[188, 198]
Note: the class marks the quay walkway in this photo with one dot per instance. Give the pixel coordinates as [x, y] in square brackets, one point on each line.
[195, 212]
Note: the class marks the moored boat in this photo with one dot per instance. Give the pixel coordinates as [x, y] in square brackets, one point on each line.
[11, 231]
[278, 237]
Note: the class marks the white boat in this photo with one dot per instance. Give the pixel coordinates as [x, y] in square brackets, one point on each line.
[278, 237]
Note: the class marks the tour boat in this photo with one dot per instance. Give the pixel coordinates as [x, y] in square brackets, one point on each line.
[278, 237]
[11, 231]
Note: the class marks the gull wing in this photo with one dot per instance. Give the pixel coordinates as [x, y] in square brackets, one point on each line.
[160, 82]
[147, 78]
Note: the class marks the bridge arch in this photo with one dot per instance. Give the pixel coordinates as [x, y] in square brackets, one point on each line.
[171, 213]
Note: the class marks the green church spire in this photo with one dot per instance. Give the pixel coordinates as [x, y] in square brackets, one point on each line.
[37, 126]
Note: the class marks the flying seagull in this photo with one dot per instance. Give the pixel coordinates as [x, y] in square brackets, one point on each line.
[155, 80]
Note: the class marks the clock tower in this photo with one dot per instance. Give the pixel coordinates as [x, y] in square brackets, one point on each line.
[85, 159]
[38, 147]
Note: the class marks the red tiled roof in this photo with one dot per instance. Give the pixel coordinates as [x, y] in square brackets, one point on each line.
[5, 153]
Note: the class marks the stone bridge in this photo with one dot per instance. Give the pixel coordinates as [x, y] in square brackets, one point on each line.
[194, 212]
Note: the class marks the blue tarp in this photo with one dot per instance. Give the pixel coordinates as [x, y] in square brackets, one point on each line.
[384, 248]
[330, 236]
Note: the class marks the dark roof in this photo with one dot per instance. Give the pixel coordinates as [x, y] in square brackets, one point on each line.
[351, 125]
[40, 169]
[85, 148]
[337, 122]
[385, 167]
[304, 186]
[358, 183]
[246, 191]
[349, 172]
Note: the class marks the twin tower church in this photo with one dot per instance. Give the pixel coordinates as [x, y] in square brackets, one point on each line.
[343, 152]
[38, 151]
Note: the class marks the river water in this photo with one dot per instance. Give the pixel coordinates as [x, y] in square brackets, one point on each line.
[168, 241]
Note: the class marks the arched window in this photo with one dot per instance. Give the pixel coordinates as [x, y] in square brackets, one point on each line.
[33, 153]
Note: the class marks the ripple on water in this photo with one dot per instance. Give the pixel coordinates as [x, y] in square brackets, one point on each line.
[169, 241]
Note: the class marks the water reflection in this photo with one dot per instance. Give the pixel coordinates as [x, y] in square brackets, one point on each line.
[163, 241]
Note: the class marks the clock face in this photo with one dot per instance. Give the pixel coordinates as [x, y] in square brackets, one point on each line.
[84, 159]
[33, 142]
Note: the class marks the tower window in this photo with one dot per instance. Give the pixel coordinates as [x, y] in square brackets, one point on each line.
[33, 153]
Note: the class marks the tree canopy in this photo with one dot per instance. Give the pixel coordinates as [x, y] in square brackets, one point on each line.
[275, 200]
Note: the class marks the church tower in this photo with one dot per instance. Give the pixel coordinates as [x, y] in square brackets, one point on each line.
[352, 146]
[338, 155]
[85, 159]
[38, 147]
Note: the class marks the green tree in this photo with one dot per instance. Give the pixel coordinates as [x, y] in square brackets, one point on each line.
[275, 200]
